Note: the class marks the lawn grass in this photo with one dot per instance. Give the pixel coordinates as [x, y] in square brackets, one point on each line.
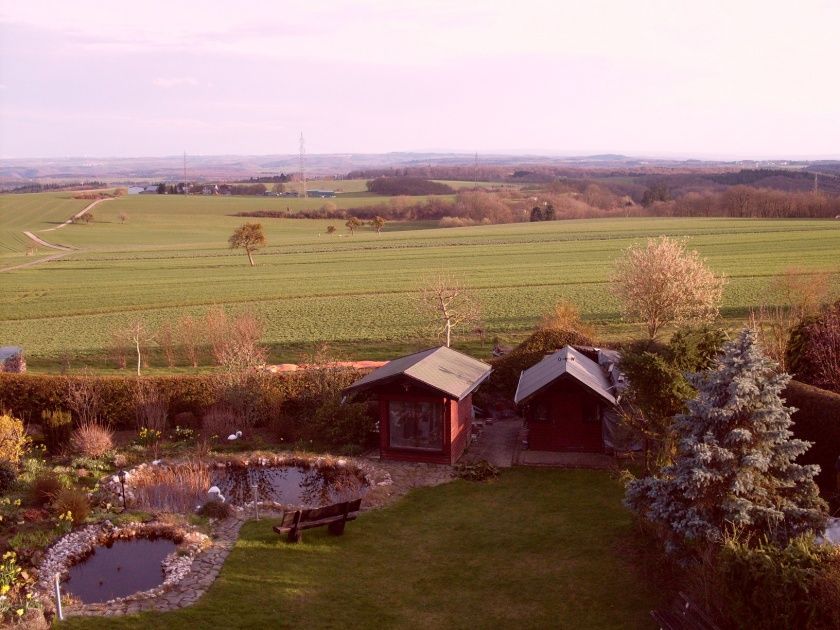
[533, 549]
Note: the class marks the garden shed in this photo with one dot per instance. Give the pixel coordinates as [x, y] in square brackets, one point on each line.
[569, 401]
[425, 404]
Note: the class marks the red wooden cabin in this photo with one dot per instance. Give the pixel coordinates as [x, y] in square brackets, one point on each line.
[425, 404]
[566, 399]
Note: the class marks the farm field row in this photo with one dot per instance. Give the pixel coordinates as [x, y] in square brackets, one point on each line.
[171, 258]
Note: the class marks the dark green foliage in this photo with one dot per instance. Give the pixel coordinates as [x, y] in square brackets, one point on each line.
[216, 509]
[44, 488]
[796, 356]
[8, 475]
[506, 369]
[765, 586]
[818, 421]
[476, 471]
[407, 186]
[57, 426]
[695, 349]
[657, 192]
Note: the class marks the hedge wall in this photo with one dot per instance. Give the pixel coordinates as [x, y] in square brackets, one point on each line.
[26, 395]
[817, 420]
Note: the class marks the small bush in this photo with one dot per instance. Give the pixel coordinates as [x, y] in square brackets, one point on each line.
[92, 439]
[766, 586]
[216, 509]
[57, 426]
[8, 475]
[13, 439]
[73, 501]
[45, 487]
[221, 421]
[477, 471]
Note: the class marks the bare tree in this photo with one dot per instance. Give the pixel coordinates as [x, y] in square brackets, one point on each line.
[140, 338]
[330, 229]
[377, 223]
[448, 304]
[824, 348]
[188, 334]
[83, 399]
[353, 224]
[802, 290]
[151, 407]
[120, 347]
[773, 325]
[166, 340]
[241, 348]
[662, 283]
[248, 236]
[123, 217]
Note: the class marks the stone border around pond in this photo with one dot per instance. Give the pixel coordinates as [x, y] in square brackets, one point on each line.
[78, 545]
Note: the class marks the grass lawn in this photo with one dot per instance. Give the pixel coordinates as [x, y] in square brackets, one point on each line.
[534, 549]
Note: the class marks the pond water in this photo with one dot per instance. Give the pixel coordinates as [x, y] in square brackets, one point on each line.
[309, 487]
[118, 570]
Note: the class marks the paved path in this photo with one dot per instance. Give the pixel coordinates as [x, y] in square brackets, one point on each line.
[497, 444]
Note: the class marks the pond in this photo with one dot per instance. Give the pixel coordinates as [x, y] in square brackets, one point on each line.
[118, 570]
[292, 485]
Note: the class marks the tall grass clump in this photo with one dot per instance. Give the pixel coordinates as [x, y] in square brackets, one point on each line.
[57, 425]
[172, 488]
[92, 439]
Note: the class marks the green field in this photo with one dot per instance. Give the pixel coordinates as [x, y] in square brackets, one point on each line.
[171, 258]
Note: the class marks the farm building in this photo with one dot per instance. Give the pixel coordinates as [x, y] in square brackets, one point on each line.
[11, 359]
[135, 190]
[320, 193]
[425, 404]
[569, 400]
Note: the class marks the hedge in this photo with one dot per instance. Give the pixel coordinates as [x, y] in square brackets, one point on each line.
[296, 394]
[817, 420]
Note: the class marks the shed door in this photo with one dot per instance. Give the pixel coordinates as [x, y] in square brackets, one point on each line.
[576, 423]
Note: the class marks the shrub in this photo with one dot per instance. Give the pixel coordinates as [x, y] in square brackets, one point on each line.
[221, 421]
[8, 475]
[73, 501]
[57, 426]
[13, 439]
[506, 369]
[767, 586]
[44, 488]
[216, 509]
[817, 420]
[476, 471]
[92, 439]
[335, 424]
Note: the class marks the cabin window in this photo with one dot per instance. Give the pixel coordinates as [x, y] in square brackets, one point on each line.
[415, 425]
[540, 412]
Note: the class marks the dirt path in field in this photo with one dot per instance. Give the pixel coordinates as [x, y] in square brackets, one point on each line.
[81, 212]
[64, 249]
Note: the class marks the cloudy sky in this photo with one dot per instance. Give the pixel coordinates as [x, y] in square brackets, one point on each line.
[672, 77]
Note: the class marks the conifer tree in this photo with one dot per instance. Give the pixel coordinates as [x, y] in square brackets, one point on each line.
[735, 466]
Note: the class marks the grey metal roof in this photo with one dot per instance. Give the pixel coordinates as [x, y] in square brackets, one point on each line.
[565, 361]
[442, 368]
[7, 352]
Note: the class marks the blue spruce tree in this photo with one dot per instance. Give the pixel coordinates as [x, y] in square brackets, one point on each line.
[735, 466]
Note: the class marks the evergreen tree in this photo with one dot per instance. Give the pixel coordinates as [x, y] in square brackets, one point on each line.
[735, 458]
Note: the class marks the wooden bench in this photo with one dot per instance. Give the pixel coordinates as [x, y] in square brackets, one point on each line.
[685, 615]
[333, 516]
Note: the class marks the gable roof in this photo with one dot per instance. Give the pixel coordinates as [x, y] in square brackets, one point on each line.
[444, 369]
[565, 361]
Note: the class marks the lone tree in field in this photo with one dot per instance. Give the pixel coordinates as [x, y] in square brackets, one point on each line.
[662, 283]
[330, 229]
[735, 463]
[377, 223]
[447, 302]
[250, 237]
[353, 224]
[140, 337]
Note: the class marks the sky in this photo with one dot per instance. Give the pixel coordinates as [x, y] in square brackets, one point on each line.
[675, 78]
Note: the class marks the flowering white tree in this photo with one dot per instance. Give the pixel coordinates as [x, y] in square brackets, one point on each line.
[662, 283]
[735, 465]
